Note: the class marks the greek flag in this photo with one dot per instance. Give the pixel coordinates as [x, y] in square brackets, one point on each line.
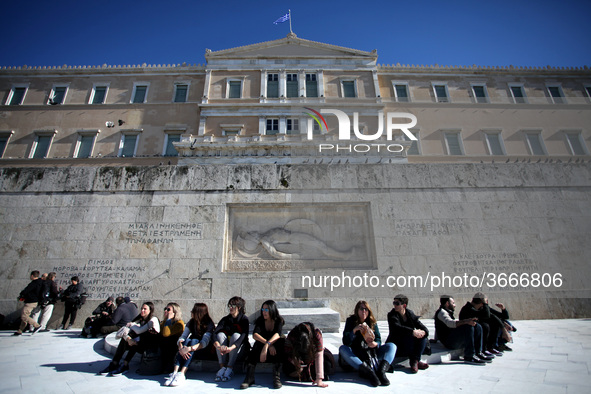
[284, 18]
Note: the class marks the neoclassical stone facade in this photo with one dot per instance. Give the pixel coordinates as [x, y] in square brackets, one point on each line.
[190, 182]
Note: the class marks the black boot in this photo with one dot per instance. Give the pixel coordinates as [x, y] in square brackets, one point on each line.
[249, 379]
[277, 376]
[383, 367]
[368, 373]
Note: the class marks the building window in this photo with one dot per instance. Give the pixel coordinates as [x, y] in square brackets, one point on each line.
[128, 144]
[588, 90]
[272, 126]
[480, 93]
[401, 92]
[293, 126]
[140, 93]
[575, 144]
[234, 89]
[441, 93]
[273, 85]
[98, 94]
[57, 95]
[16, 95]
[535, 143]
[494, 144]
[180, 92]
[169, 149]
[311, 85]
[291, 85]
[518, 94]
[85, 144]
[556, 94]
[4, 137]
[453, 144]
[42, 144]
[348, 89]
[414, 148]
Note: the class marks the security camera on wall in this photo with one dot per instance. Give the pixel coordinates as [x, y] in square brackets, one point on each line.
[110, 124]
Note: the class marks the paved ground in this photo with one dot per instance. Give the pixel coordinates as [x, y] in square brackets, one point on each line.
[550, 356]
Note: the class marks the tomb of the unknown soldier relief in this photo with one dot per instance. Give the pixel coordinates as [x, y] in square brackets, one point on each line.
[299, 171]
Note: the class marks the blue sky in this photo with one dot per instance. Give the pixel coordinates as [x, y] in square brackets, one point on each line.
[453, 32]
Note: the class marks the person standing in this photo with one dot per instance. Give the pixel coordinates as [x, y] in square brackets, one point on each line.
[50, 293]
[31, 296]
[71, 297]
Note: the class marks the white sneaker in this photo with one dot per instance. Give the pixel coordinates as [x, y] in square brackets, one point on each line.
[170, 378]
[178, 379]
[219, 376]
[228, 374]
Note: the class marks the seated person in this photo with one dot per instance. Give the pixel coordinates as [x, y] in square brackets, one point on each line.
[456, 334]
[229, 337]
[362, 346]
[304, 356]
[268, 344]
[125, 313]
[408, 333]
[142, 335]
[196, 337]
[101, 317]
[491, 325]
[505, 337]
[172, 328]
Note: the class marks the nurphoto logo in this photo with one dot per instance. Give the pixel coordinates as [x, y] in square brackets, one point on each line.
[344, 122]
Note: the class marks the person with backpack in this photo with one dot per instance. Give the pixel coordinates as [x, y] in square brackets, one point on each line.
[50, 293]
[72, 301]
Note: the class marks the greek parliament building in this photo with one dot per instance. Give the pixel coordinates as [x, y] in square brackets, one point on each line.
[298, 170]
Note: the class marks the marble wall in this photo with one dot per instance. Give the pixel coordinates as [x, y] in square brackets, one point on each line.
[518, 232]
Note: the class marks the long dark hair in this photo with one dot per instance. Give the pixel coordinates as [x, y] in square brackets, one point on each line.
[200, 319]
[371, 320]
[150, 305]
[273, 311]
[305, 344]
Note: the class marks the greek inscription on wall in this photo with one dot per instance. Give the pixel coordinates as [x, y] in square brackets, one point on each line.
[494, 262]
[428, 228]
[161, 233]
[105, 278]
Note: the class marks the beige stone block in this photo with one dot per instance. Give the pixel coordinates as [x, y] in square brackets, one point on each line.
[457, 210]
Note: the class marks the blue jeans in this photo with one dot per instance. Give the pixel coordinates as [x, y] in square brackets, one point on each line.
[180, 361]
[466, 336]
[385, 352]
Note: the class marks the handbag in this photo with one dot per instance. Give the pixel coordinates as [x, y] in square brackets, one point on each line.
[123, 332]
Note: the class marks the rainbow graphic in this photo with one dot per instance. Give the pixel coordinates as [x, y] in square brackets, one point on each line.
[317, 115]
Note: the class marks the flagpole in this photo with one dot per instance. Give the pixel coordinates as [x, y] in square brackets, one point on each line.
[291, 31]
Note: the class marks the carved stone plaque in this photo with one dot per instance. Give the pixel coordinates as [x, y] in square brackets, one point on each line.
[304, 236]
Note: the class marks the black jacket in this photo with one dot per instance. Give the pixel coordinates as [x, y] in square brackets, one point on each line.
[400, 330]
[33, 292]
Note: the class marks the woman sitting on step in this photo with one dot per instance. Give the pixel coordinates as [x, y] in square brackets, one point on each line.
[197, 335]
[362, 346]
[141, 336]
[268, 345]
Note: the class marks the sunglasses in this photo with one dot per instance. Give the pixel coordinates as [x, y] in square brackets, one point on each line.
[232, 306]
[264, 309]
[397, 303]
[363, 309]
[167, 309]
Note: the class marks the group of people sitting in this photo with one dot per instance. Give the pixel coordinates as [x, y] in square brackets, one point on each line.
[300, 355]
[481, 331]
